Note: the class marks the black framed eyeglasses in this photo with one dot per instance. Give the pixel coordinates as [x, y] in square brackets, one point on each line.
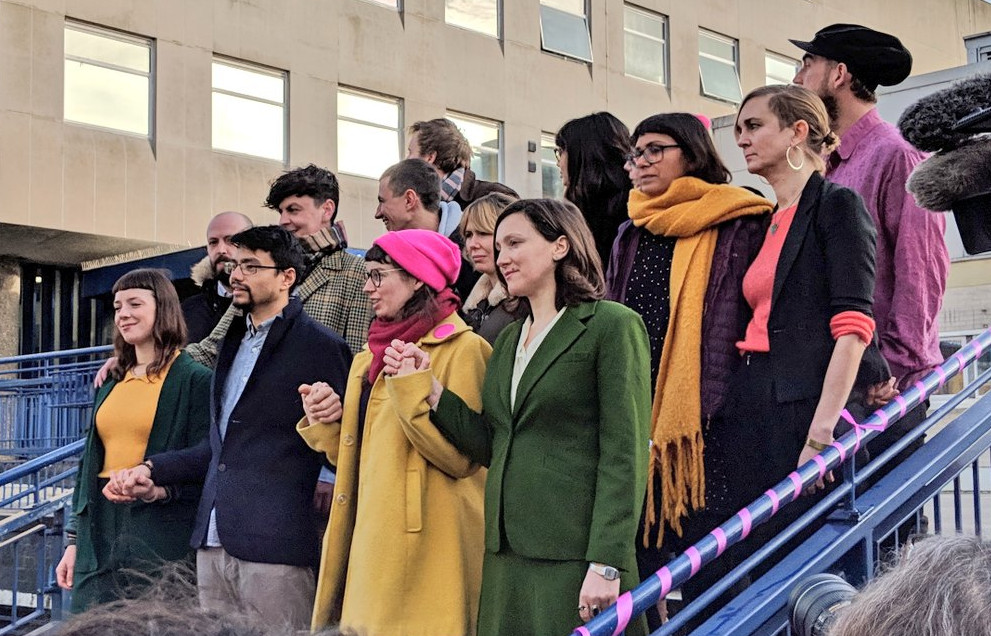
[375, 275]
[248, 269]
[651, 153]
[558, 152]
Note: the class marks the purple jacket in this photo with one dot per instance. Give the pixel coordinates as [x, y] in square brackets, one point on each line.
[725, 314]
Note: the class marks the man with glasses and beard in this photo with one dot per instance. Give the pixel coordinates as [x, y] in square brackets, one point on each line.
[204, 310]
[255, 535]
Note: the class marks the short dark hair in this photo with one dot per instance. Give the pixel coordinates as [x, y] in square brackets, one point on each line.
[283, 247]
[312, 181]
[423, 301]
[701, 158]
[169, 329]
[578, 275]
[442, 137]
[416, 175]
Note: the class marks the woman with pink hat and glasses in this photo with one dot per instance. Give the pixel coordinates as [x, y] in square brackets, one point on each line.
[402, 554]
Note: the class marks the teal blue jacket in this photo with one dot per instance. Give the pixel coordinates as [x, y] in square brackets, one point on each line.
[568, 464]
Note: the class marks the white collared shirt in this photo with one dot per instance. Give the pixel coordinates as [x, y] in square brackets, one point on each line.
[524, 354]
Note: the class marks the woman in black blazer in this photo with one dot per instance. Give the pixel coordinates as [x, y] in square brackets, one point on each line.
[811, 289]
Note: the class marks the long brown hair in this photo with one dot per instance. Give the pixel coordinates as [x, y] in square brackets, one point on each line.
[169, 330]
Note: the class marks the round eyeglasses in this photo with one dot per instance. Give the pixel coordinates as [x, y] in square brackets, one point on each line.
[375, 275]
[651, 153]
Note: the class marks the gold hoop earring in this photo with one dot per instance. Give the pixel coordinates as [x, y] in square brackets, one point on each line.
[791, 164]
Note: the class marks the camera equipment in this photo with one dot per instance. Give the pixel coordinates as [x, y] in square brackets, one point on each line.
[814, 602]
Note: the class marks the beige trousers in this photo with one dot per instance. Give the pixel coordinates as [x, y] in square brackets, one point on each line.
[279, 595]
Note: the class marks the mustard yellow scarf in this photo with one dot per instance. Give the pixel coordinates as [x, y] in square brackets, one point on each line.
[691, 210]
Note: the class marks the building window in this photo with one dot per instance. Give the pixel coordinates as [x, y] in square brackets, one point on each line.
[249, 110]
[368, 132]
[388, 3]
[645, 44]
[108, 79]
[476, 15]
[779, 69]
[564, 28]
[550, 175]
[485, 137]
[718, 67]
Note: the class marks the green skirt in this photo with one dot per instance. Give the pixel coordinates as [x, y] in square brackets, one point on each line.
[537, 597]
[118, 557]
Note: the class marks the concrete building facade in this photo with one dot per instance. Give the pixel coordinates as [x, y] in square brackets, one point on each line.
[235, 91]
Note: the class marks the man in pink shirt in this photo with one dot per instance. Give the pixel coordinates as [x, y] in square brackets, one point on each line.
[844, 64]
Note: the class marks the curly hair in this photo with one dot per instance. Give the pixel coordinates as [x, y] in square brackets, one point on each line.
[312, 181]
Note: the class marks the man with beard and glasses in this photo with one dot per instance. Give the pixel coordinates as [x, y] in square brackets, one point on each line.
[204, 310]
[844, 64]
[255, 535]
[331, 280]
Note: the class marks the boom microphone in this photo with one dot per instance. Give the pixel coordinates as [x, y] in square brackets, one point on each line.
[929, 123]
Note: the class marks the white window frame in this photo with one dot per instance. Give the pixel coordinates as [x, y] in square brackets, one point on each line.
[665, 43]
[783, 59]
[548, 140]
[735, 63]
[284, 104]
[120, 36]
[499, 21]
[398, 130]
[454, 116]
[391, 4]
[557, 51]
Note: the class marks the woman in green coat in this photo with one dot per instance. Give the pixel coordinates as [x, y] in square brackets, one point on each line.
[566, 414]
[157, 399]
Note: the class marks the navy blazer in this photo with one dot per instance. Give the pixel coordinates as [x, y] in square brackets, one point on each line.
[262, 475]
[826, 267]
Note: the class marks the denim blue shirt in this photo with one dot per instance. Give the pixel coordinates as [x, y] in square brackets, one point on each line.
[241, 368]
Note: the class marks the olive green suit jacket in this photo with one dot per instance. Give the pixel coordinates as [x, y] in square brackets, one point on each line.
[567, 465]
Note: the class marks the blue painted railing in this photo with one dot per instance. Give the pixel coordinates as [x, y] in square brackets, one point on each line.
[635, 602]
[45, 399]
[35, 497]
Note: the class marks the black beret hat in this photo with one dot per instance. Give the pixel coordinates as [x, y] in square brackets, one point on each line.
[874, 58]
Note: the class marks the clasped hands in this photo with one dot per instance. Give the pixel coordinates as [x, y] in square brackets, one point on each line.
[132, 484]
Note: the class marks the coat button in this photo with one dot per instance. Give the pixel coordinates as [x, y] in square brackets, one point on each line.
[342, 499]
[349, 440]
[221, 468]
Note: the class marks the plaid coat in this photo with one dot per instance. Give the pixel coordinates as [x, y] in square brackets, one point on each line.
[331, 295]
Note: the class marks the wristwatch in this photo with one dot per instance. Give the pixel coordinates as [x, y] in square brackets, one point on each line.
[607, 572]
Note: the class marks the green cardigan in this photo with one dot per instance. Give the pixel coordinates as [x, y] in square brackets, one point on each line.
[568, 465]
[182, 419]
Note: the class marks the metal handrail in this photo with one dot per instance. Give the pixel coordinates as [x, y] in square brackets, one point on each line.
[635, 602]
[50, 355]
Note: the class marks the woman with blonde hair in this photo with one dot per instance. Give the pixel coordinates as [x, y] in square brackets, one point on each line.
[811, 290]
[488, 308]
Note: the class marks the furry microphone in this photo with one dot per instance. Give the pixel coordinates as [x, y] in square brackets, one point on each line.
[929, 123]
[944, 178]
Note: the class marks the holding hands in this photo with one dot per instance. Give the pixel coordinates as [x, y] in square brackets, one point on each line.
[132, 484]
[321, 403]
[402, 358]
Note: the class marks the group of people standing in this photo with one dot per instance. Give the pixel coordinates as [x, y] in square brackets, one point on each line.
[514, 448]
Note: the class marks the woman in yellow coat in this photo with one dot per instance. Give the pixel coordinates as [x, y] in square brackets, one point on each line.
[402, 555]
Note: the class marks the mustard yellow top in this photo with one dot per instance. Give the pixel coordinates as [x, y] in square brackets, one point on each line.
[125, 418]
